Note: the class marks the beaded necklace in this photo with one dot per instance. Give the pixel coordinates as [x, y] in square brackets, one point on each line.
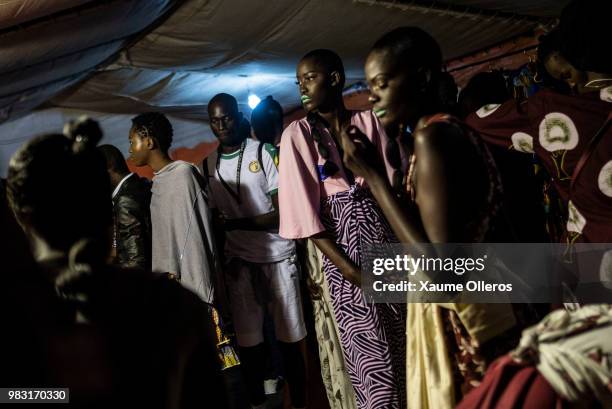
[236, 194]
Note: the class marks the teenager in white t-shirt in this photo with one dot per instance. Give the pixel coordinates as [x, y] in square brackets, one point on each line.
[261, 267]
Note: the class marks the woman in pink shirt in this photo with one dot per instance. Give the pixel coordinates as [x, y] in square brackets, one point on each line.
[321, 200]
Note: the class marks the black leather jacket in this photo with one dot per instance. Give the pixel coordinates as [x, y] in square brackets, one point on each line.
[132, 223]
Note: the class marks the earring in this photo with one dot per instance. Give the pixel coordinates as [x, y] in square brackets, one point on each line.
[537, 78]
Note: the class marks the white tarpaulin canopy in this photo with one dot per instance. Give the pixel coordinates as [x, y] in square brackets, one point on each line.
[122, 57]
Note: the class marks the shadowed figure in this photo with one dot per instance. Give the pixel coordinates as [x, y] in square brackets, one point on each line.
[114, 337]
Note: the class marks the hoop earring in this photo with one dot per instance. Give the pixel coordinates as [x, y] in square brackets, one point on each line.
[537, 78]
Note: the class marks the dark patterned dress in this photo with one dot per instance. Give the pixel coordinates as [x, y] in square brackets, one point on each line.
[373, 336]
[311, 201]
[469, 358]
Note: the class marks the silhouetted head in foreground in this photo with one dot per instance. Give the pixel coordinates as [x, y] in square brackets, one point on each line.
[59, 190]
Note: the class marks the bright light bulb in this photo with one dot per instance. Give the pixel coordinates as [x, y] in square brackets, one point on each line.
[253, 101]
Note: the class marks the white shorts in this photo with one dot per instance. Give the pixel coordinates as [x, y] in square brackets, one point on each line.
[273, 285]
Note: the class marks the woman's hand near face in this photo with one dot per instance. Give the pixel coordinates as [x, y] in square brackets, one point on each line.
[360, 156]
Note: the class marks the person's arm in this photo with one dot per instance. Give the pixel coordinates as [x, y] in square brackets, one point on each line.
[436, 148]
[217, 220]
[328, 246]
[299, 190]
[132, 231]
[437, 179]
[270, 220]
[404, 219]
[447, 166]
[299, 198]
[218, 224]
[194, 255]
[267, 221]
[361, 157]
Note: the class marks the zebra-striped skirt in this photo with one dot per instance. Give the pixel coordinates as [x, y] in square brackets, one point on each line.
[373, 336]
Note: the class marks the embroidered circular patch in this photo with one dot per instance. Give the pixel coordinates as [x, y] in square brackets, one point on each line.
[575, 220]
[522, 142]
[254, 166]
[558, 132]
[487, 110]
[604, 180]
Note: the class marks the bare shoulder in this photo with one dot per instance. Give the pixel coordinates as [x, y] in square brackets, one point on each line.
[437, 135]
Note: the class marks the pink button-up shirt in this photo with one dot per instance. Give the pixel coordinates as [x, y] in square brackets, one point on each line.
[300, 186]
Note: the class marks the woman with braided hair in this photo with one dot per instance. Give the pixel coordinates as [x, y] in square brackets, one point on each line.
[182, 237]
[114, 337]
[321, 200]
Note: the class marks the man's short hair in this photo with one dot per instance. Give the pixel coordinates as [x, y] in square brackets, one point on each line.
[156, 126]
[114, 159]
[226, 99]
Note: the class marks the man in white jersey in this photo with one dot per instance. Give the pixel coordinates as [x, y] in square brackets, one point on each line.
[260, 269]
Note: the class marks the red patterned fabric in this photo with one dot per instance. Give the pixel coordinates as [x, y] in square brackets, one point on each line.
[510, 385]
[558, 129]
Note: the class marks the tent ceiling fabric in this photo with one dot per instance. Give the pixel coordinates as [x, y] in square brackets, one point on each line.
[44, 57]
[15, 12]
[83, 56]
[243, 46]
[184, 94]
